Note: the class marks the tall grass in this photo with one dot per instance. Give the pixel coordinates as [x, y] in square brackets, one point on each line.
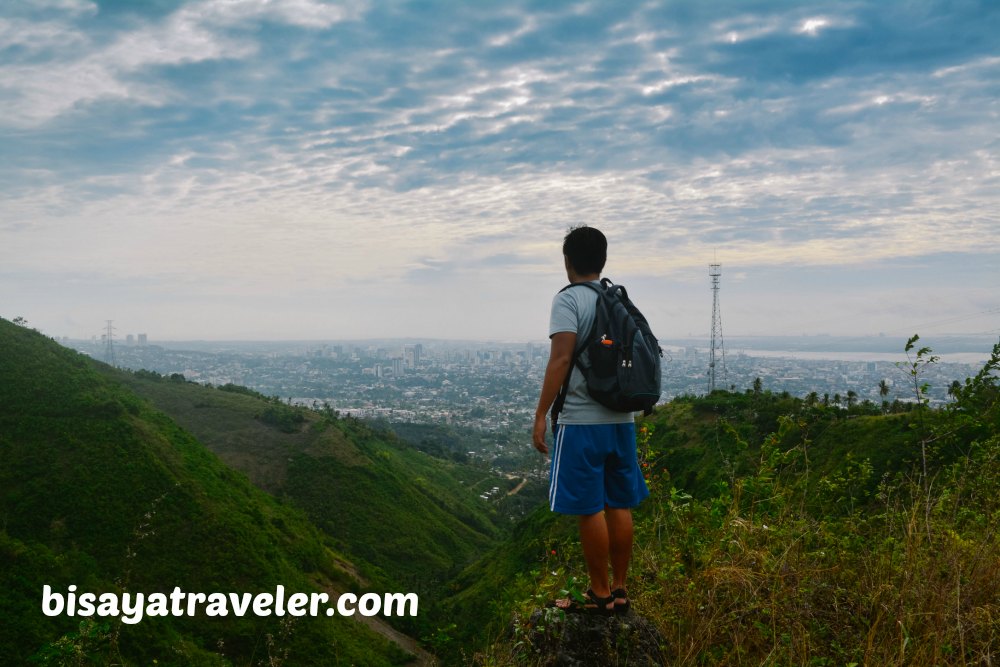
[753, 578]
[781, 565]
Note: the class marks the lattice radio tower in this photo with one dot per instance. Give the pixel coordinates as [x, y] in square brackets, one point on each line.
[717, 351]
[109, 346]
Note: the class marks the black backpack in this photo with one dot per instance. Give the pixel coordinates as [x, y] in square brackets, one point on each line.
[622, 364]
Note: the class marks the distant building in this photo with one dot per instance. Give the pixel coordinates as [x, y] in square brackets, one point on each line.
[142, 340]
[411, 355]
[130, 340]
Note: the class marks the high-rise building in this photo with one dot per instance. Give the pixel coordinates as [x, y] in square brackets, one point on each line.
[411, 354]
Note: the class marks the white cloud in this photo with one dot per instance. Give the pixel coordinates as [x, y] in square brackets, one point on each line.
[977, 64]
[528, 25]
[812, 27]
[745, 28]
[869, 100]
[304, 13]
[194, 33]
[35, 37]
[267, 170]
[666, 84]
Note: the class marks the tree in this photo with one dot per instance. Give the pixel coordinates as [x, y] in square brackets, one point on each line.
[954, 388]
[916, 366]
[852, 396]
[883, 387]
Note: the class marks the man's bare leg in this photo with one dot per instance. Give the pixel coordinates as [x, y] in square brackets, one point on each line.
[620, 534]
[595, 542]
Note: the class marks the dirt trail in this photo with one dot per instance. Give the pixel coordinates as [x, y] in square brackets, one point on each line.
[518, 487]
[421, 658]
[405, 642]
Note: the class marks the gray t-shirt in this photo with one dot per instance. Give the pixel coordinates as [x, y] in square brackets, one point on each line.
[574, 310]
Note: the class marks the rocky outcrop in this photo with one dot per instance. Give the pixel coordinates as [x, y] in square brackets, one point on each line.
[556, 638]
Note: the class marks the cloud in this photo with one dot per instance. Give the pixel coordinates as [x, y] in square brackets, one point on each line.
[255, 143]
[195, 33]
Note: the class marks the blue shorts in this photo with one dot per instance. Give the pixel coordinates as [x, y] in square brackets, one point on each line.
[593, 466]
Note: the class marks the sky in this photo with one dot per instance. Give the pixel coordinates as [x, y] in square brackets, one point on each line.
[297, 169]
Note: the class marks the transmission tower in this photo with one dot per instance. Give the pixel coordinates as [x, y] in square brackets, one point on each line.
[109, 346]
[717, 351]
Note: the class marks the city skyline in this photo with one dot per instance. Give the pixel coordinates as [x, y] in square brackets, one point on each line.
[299, 169]
[494, 387]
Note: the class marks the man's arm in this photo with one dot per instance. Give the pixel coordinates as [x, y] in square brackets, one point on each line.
[560, 359]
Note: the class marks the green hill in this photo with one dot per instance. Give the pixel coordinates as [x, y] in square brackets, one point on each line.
[101, 491]
[405, 518]
[706, 442]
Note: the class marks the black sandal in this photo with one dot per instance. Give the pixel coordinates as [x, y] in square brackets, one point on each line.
[592, 605]
[621, 607]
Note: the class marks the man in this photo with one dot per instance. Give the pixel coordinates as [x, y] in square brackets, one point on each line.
[594, 472]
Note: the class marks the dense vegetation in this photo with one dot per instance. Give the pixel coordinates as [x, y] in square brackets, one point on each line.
[451, 443]
[100, 490]
[407, 521]
[783, 531]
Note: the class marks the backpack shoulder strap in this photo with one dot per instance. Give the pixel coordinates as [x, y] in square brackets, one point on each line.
[581, 343]
[587, 284]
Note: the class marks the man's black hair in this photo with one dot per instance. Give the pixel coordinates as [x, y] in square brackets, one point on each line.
[587, 250]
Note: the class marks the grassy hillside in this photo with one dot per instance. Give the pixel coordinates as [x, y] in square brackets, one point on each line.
[781, 531]
[409, 521]
[100, 490]
[708, 441]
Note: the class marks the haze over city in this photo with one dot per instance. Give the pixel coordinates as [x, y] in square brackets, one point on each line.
[295, 169]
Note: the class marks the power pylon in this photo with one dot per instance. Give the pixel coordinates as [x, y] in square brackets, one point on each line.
[717, 351]
[109, 346]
